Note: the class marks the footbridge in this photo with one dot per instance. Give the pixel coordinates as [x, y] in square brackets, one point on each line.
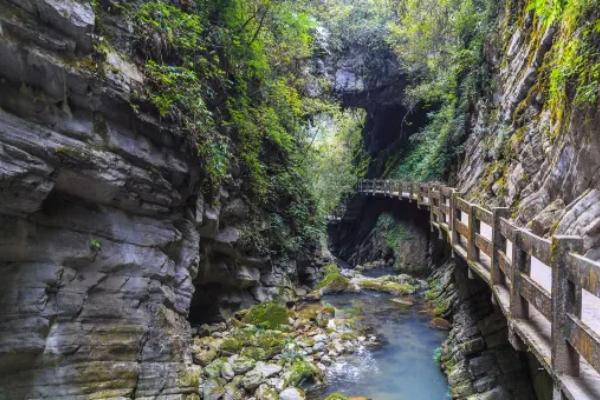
[549, 292]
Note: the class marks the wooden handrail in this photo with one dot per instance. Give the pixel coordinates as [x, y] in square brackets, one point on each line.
[509, 275]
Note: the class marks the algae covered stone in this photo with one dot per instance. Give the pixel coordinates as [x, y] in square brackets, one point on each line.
[387, 284]
[266, 392]
[213, 389]
[336, 396]
[333, 281]
[270, 315]
[242, 364]
[213, 370]
[302, 371]
[258, 374]
[205, 350]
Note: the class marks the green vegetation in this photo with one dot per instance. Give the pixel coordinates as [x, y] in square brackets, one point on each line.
[393, 233]
[95, 245]
[333, 280]
[573, 65]
[270, 315]
[337, 160]
[441, 41]
[231, 346]
[302, 371]
[230, 74]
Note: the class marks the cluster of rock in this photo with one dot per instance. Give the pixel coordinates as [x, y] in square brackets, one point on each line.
[257, 357]
[351, 280]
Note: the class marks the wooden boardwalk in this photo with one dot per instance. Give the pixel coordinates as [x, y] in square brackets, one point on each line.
[548, 292]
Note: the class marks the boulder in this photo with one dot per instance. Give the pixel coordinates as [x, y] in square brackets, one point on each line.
[292, 393]
[242, 364]
[266, 392]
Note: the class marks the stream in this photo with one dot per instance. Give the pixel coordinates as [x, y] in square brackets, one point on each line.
[403, 367]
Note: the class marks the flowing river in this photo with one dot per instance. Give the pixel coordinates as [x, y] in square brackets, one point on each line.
[403, 367]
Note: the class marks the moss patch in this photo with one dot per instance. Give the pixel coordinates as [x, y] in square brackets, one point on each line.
[333, 281]
[270, 315]
[302, 371]
[336, 396]
[387, 285]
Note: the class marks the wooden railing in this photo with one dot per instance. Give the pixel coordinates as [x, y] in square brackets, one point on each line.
[546, 320]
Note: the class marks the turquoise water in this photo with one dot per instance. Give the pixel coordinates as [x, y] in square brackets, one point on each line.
[403, 367]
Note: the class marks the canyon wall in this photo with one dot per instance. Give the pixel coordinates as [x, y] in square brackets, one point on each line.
[533, 140]
[108, 248]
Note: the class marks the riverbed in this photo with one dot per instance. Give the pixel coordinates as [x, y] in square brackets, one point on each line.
[403, 367]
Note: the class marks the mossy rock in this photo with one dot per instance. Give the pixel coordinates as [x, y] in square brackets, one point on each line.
[302, 371]
[255, 353]
[336, 396]
[213, 370]
[269, 338]
[349, 336]
[333, 281]
[388, 286]
[266, 392]
[270, 315]
[231, 346]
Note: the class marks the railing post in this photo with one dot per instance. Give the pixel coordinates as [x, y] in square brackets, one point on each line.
[430, 189]
[473, 229]
[453, 231]
[497, 213]
[518, 305]
[566, 299]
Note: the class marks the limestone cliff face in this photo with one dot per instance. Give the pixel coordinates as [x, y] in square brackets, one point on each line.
[519, 153]
[476, 356]
[106, 242]
[99, 242]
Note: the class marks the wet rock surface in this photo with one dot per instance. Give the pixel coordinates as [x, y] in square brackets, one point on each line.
[477, 358]
[273, 358]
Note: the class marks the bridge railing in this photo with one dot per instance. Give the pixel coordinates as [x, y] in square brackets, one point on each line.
[503, 256]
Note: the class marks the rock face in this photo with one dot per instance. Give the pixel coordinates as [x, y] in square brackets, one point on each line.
[362, 241]
[369, 76]
[98, 244]
[521, 152]
[479, 361]
[106, 243]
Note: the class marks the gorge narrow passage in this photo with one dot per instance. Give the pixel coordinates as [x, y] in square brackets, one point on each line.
[173, 175]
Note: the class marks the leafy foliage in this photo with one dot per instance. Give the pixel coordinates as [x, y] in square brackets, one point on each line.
[440, 41]
[336, 160]
[230, 73]
[573, 66]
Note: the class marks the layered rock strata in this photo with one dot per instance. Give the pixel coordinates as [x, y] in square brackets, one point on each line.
[106, 242]
[477, 357]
